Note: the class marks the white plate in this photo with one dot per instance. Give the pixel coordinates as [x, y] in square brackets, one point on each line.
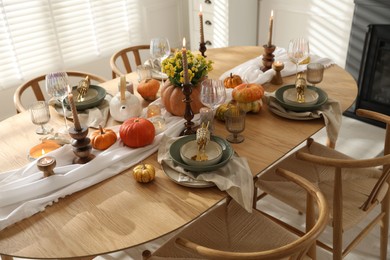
[290, 97]
[188, 181]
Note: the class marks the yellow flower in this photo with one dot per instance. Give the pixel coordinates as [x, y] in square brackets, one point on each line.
[198, 67]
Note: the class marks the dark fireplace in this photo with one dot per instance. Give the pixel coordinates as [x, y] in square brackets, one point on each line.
[372, 40]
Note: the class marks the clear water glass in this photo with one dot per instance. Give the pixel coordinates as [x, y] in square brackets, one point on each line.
[298, 51]
[212, 93]
[57, 87]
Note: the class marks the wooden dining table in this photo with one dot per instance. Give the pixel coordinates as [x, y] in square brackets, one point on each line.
[120, 213]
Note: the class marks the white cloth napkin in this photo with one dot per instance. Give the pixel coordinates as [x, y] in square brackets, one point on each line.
[92, 117]
[23, 192]
[250, 70]
[235, 177]
[330, 112]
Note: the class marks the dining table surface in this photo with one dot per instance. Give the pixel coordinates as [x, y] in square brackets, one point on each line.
[120, 213]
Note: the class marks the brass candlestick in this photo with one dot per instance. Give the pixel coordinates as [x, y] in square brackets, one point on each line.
[203, 48]
[81, 145]
[188, 113]
[47, 164]
[277, 66]
[268, 57]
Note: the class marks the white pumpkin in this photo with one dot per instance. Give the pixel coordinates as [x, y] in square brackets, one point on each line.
[124, 105]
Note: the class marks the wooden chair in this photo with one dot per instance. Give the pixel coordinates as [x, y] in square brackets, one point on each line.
[230, 232]
[124, 58]
[36, 85]
[353, 187]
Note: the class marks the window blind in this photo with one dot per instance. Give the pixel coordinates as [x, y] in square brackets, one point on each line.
[40, 36]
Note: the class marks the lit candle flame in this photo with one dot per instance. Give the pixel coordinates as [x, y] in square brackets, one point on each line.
[184, 42]
[200, 8]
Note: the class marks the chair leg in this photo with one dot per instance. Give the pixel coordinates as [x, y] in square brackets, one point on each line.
[385, 226]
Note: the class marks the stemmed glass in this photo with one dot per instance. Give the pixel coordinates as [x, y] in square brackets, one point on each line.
[212, 93]
[315, 73]
[160, 50]
[57, 87]
[235, 124]
[40, 115]
[298, 51]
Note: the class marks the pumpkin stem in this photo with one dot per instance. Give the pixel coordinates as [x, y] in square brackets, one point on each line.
[231, 74]
[101, 129]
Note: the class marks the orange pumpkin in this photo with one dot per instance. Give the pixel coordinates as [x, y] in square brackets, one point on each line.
[232, 81]
[172, 98]
[248, 92]
[103, 138]
[148, 89]
[137, 132]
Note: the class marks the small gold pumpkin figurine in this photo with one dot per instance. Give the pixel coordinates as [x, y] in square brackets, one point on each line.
[300, 85]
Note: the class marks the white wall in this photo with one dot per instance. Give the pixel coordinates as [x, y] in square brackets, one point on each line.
[325, 23]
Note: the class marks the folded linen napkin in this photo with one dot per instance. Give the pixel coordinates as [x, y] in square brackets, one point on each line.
[23, 192]
[250, 70]
[235, 177]
[330, 112]
[92, 117]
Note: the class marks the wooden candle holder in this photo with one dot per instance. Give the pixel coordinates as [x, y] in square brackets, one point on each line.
[268, 57]
[188, 113]
[203, 48]
[81, 145]
[47, 164]
[277, 79]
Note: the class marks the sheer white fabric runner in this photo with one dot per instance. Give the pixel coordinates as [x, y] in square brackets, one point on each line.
[250, 70]
[23, 192]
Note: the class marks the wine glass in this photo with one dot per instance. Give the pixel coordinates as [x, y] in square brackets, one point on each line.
[235, 124]
[212, 93]
[160, 50]
[315, 73]
[40, 115]
[57, 87]
[298, 51]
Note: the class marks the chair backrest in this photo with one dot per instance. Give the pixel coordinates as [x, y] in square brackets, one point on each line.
[294, 250]
[36, 85]
[123, 56]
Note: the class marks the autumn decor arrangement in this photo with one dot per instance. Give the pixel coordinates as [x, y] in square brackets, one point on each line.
[171, 93]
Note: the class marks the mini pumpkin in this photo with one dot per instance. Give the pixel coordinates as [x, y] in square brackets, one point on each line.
[232, 81]
[137, 132]
[148, 89]
[103, 138]
[144, 173]
[248, 92]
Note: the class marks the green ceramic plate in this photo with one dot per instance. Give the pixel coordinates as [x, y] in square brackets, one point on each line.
[93, 98]
[322, 98]
[174, 151]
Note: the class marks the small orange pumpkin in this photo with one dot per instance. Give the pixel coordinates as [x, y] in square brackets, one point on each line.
[103, 138]
[248, 92]
[148, 89]
[232, 81]
[137, 132]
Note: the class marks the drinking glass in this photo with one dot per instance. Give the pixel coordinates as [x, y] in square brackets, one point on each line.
[57, 87]
[40, 115]
[315, 73]
[160, 50]
[298, 51]
[212, 93]
[235, 124]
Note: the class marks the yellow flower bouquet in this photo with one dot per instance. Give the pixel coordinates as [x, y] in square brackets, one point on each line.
[198, 67]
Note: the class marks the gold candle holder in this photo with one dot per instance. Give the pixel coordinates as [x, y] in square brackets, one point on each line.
[277, 66]
[47, 164]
